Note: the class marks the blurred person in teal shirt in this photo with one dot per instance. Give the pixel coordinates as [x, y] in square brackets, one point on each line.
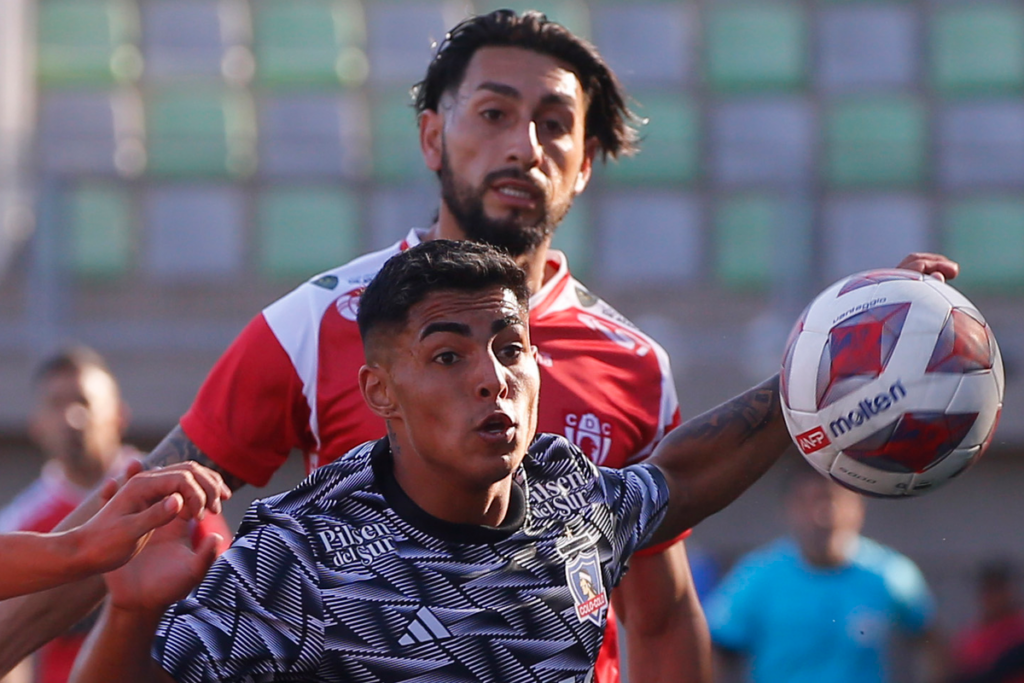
[824, 603]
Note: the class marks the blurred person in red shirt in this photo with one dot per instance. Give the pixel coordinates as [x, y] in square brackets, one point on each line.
[78, 421]
[992, 650]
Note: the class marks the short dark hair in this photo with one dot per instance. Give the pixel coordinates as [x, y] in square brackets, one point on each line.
[608, 117]
[69, 359]
[436, 265]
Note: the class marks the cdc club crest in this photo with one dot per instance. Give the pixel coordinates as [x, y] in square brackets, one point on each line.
[583, 574]
[348, 303]
[590, 435]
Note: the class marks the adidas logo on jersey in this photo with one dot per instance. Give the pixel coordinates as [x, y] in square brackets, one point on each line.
[424, 628]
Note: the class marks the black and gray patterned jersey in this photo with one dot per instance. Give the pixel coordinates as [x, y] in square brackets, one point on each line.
[345, 578]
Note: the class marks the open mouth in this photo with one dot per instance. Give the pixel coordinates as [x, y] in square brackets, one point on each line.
[498, 426]
[518, 192]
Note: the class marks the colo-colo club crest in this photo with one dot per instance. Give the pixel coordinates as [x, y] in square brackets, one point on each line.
[583, 574]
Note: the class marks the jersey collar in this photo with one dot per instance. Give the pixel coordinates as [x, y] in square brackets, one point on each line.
[541, 300]
[452, 532]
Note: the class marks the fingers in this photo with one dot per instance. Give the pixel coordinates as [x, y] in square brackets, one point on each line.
[936, 265]
[107, 491]
[199, 488]
[157, 515]
[134, 467]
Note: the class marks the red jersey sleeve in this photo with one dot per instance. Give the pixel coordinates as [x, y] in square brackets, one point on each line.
[251, 411]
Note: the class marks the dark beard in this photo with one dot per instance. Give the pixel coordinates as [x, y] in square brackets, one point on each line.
[513, 234]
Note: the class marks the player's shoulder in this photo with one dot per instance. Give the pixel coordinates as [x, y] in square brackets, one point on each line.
[572, 304]
[325, 486]
[553, 455]
[779, 555]
[880, 559]
[584, 300]
[325, 288]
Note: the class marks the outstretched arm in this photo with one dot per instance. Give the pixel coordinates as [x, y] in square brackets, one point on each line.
[667, 637]
[710, 460]
[111, 537]
[28, 622]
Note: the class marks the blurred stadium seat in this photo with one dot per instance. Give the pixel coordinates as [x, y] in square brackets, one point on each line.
[876, 142]
[313, 42]
[756, 46]
[306, 229]
[762, 141]
[670, 142]
[978, 48]
[746, 231]
[319, 134]
[88, 41]
[986, 235]
[100, 235]
[201, 132]
[195, 233]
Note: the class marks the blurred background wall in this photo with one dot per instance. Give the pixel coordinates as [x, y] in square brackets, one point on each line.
[169, 167]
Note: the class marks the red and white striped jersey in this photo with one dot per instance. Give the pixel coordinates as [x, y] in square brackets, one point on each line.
[290, 378]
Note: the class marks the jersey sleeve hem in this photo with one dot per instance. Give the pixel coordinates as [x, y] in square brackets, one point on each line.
[236, 459]
[659, 548]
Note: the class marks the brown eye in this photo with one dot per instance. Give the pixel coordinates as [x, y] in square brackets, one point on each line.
[446, 358]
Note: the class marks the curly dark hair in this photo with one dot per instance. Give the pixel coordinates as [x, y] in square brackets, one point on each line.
[436, 265]
[608, 117]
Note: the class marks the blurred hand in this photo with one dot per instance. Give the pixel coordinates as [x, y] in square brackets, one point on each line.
[164, 571]
[936, 265]
[146, 501]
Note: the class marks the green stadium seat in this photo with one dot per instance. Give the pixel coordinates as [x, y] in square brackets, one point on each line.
[986, 235]
[756, 47]
[746, 231]
[978, 48]
[396, 142]
[876, 142]
[305, 230]
[197, 133]
[573, 14]
[99, 230]
[313, 42]
[87, 41]
[669, 144]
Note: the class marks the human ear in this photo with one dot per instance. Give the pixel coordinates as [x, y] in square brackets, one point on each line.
[432, 138]
[373, 384]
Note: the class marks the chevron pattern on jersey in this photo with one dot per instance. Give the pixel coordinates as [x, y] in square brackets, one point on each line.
[344, 579]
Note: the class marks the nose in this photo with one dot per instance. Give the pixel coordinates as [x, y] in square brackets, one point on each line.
[525, 149]
[76, 416]
[492, 380]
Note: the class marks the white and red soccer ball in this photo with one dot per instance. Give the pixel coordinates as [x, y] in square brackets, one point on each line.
[891, 383]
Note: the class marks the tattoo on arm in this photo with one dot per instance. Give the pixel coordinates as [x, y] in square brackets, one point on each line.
[745, 416]
[177, 447]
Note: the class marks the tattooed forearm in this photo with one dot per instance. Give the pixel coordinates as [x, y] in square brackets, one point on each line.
[177, 447]
[741, 418]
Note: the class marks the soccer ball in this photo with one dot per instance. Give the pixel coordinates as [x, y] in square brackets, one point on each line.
[891, 383]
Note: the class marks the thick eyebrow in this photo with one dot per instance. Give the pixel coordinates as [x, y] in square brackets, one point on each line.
[463, 330]
[501, 89]
[509, 91]
[455, 328]
[506, 322]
